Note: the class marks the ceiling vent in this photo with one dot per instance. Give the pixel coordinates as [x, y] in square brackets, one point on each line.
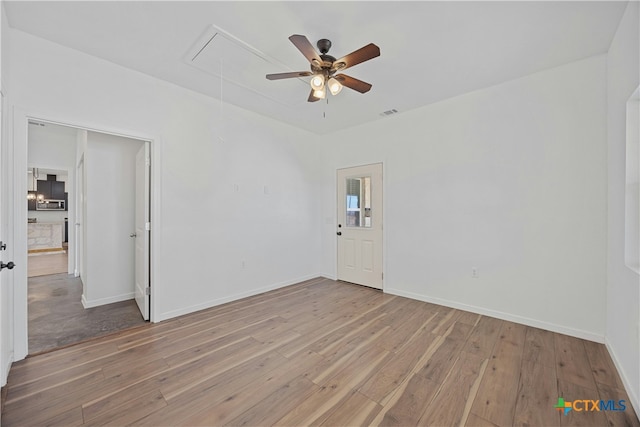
[389, 112]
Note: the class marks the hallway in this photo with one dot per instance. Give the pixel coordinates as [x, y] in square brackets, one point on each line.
[57, 317]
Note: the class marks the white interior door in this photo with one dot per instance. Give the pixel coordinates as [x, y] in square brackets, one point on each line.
[143, 167]
[360, 225]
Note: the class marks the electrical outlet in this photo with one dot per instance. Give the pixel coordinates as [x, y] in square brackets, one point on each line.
[474, 272]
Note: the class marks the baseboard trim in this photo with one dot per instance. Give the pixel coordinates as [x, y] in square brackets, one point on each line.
[578, 333]
[212, 303]
[635, 401]
[110, 300]
[5, 372]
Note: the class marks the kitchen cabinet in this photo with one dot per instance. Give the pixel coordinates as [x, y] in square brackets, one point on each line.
[57, 190]
[51, 190]
[31, 202]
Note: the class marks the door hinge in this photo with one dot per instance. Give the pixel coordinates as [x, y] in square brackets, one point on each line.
[147, 226]
[147, 161]
[147, 291]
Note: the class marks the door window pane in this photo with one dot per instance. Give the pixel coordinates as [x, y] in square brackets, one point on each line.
[358, 202]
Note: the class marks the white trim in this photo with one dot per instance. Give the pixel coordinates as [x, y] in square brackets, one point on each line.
[578, 333]
[219, 301]
[110, 300]
[18, 141]
[625, 380]
[4, 378]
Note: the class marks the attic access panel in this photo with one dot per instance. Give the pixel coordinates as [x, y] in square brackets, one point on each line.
[224, 56]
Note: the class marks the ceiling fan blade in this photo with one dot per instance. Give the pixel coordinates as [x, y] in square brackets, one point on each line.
[279, 76]
[304, 46]
[365, 53]
[353, 83]
[312, 98]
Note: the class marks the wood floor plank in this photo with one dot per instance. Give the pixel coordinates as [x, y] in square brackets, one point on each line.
[572, 363]
[483, 337]
[40, 407]
[496, 398]
[604, 372]
[130, 411]
[475, 421]
[71, 418]
[356, 410]
[537, 394]
[446, 317]
[354, 361]
[390, 376]
[619, 417]
[215, 390]
[539, 347]
[399, 337]
[236, 403]
[321, 404]
[278, 403]
[469, 318]
[438, 366]
[448, 407]
[208, 370]
[318, 353]
[411, 403]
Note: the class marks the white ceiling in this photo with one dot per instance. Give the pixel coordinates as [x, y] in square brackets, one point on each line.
[429, 50]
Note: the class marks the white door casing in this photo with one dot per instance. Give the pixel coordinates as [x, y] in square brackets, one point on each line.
[359, 233]
[142, 230]
[79, 224]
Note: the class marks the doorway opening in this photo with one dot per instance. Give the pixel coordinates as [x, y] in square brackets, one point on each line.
[72, 297]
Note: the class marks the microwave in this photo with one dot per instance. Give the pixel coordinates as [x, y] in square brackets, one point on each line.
[50, 205]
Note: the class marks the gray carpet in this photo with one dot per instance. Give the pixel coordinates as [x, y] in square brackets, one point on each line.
[57, 317]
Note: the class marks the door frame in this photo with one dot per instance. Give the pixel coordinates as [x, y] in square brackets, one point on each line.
[18, 215]
[384, 215]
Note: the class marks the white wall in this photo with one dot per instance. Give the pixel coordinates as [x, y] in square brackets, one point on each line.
[623, 284]
[110, 208]
[510, 180]
[204, 228]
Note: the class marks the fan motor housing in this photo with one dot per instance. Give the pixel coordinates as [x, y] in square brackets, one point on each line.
[324, 45]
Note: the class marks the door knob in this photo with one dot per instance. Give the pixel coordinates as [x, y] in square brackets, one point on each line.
[3, 246]
[339, 233]
[8, 265]
[133, 235]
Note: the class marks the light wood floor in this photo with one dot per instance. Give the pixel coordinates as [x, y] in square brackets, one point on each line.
[322, 353]
[46, 264]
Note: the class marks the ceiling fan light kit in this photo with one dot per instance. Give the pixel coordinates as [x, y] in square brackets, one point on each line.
[324, 68]
[334, 86]
[317, 82]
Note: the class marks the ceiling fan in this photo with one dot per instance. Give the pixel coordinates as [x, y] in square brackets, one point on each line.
[324, 67]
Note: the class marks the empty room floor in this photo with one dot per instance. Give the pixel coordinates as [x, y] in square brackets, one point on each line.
[57, 317]
[319, 352]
